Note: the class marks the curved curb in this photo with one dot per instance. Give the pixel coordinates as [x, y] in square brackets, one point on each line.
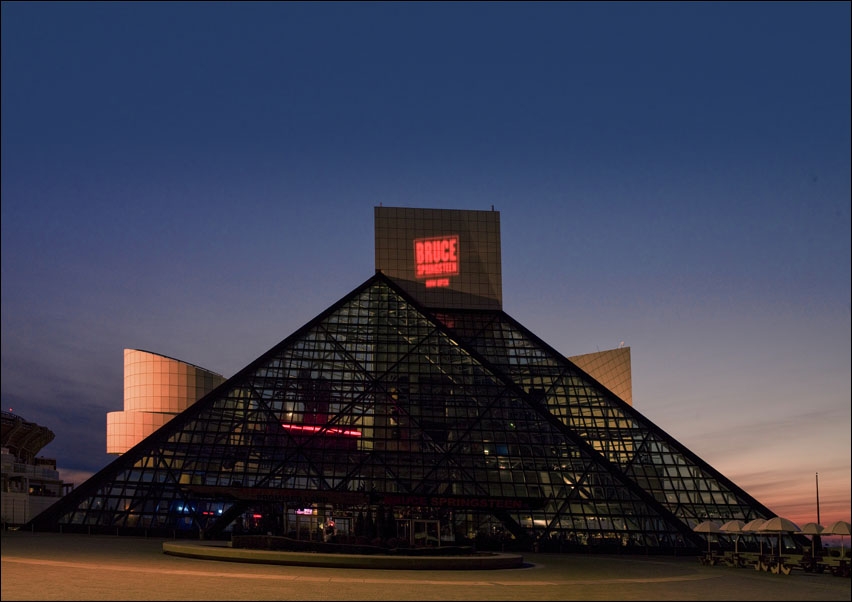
[213, 551]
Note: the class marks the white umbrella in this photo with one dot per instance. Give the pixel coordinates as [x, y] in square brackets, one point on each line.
[839, 527]
[707, 526]
[736, 527]
[812, 529]
[779, 524]
[753, 526]
[733, 526]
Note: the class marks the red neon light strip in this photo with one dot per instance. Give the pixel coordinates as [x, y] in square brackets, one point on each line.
[314, 429]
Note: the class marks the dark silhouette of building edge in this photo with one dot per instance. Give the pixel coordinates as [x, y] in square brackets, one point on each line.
[509, 438]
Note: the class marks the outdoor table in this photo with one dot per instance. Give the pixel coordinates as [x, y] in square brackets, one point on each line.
[710, 559]
[840, 567]
[762, 563]
[812, 564]
[778, 564]
[737, 560]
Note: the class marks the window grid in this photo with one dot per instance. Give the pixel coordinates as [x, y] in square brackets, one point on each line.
[376, 400]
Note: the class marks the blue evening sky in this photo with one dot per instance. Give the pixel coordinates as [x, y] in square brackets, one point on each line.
[198, 180]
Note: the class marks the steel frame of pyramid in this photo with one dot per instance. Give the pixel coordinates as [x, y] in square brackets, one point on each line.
[379, 405]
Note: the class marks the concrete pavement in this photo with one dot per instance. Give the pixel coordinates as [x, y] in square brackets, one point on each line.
[41, 566]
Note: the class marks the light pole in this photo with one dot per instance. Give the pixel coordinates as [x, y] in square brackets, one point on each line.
[817, 492]
[817, 538]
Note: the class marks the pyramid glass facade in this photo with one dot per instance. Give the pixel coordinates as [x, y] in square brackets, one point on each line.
[458, 418]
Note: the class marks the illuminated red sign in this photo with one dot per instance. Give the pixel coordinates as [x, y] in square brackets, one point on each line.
[315, 429]
[436, 258]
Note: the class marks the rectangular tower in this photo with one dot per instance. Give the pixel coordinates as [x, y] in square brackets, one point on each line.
[445, 258]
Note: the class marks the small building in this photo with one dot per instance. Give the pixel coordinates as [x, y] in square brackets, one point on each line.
[30, 483]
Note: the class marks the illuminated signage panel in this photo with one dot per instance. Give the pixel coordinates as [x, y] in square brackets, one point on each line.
[435, 258]
[444, 258]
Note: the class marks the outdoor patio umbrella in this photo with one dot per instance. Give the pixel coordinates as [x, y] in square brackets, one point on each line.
[735, 527]
[779, 524]
[812, 529]
[840, 527]
[754, 526]
[708, 527]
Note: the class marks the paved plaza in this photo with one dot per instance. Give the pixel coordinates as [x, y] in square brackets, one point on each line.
[40, 566]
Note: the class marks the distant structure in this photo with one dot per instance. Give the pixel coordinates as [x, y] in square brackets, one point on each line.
[156, 389]
[30, 483]
[611, 368]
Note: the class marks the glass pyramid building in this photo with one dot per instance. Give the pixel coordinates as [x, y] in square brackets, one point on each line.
[458, 416]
